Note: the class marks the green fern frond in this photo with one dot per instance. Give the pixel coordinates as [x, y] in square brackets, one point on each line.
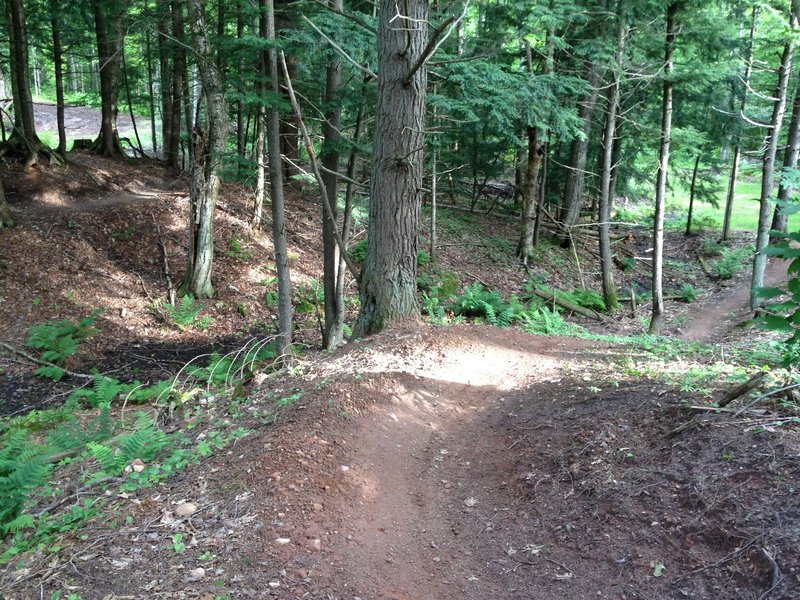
[21, 522]
[110, 460]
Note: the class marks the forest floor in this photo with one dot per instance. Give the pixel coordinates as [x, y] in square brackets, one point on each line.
[427, 462]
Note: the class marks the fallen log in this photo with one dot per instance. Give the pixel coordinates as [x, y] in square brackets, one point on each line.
[550, 297]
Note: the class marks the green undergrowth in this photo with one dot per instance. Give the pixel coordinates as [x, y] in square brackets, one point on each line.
[692, 367]
[112, 437]
[444, 305]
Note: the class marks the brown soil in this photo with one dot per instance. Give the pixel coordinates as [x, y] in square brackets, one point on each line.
[423, 463]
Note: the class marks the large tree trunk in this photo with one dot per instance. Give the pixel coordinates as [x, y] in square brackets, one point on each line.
[657, 316]
[166, 85]
[389, 280]
[209, 147]
[578, 151]
[58, 68]
[178, 72]
[737, 150]
[333, 325]
[110, 37]
[23, 141]
[768, 170]
[780, 218]
[529, 196]
[150, 86]
[607, 165]
[278, 211]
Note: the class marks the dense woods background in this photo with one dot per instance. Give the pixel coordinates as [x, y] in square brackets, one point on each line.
[561, 112]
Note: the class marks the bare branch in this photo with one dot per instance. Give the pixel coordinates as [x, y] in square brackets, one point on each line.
[313, 157]
[436, 41]
[338, 49]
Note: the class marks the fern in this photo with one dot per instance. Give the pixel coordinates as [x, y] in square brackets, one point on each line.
[184, 315]
[104, 391]
[111, 460]
[70, 435]
[146, 442]
[23, 467]
[58, 340]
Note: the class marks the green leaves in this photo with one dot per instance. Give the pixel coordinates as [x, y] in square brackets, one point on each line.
[784, 316]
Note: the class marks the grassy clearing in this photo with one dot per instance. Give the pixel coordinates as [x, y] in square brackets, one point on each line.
[745, 207]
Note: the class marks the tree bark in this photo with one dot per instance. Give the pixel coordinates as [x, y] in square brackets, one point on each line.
[333, 326]
[388, 287]
[780, 220]
[151, 93]
[607, 164]
[692, 190]
[110, 37]
[278, 210]
[58, 68]
[23, 141]
[768, 170]
[261, 127]
[209, 147]
[166, 87]
[657, 316]
[528, 224]
[241, 134]
[737, 150]
[178, 72]
[579, 149]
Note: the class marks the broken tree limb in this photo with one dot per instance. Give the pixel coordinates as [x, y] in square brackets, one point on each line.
[44, 363]
[704, 266]
[745, 388]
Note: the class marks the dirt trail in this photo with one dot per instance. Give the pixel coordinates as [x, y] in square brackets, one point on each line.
[710, 320]
[430, 481]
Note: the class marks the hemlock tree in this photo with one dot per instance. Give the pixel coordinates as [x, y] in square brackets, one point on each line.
[388, 287]
[780, 219]
[661, 183]
[110, 33]
[604, 204]
[209, 147]
[23, 141]
[768, 163]
[333, 326]
[276, 189]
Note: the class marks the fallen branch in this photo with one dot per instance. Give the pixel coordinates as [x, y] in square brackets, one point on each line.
[326, 202]
[44, 363]
[721, 561]
[767, 395]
